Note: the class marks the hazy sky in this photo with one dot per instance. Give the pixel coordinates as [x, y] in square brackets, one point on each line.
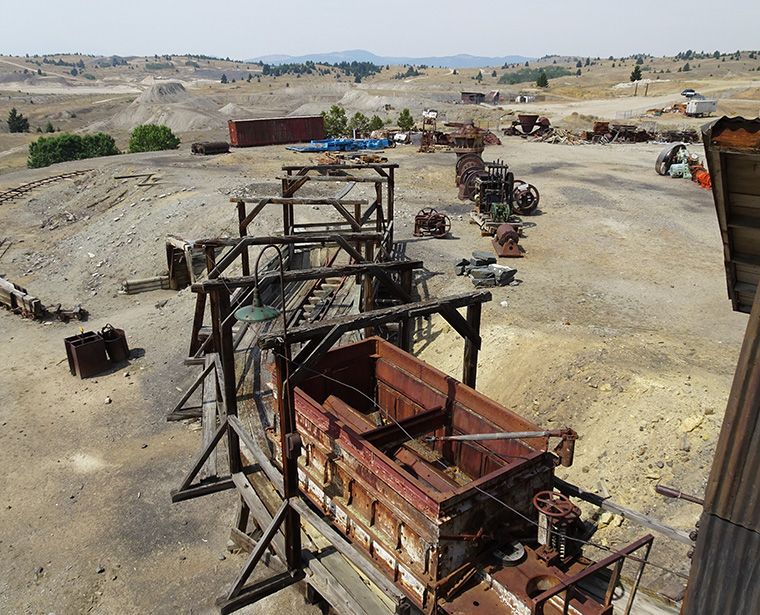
[243, 30]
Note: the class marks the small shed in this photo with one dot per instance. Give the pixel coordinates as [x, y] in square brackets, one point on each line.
[473, 98]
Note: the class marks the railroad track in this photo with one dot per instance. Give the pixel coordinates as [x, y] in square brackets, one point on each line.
[21, 190]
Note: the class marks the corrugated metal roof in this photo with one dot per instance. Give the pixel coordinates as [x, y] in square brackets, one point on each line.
[724, 573]
[732, 150]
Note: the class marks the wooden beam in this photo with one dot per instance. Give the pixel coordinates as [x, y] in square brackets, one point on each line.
[276, 200]
[470, 362]
[259, 591]
[218, 242]
[303, 368]
[335, 178]
[377, 166]
[300, 275]
[376, 317]
[192, 388]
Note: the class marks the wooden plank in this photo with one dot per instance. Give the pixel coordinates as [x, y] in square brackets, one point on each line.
[276, 200]
[260, 512]
[208, 423]
[327, 238]
[376, 317]
[299, 275]
[258, 552]
[631, 515]
[191, 389]
[349, 551]
[336, 178]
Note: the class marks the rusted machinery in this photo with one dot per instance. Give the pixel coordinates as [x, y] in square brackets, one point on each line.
[505, 241]
[528, 125]
[493, 182]
[676, 161]
[448, 493]
[429, 223]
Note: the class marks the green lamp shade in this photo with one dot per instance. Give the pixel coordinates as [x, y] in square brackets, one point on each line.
[256, 312]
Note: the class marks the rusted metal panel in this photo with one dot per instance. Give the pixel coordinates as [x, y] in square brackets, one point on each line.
[732, 151]
[276, 130]
[723, 576]
[386, 491]
[732, 492]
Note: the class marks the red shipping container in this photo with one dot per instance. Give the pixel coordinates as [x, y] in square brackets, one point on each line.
[276, 130]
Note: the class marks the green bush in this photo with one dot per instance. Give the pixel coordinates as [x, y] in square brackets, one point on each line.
[158, 65]
[152, 138]
[50, 150]
[89, 76]
[405, 120]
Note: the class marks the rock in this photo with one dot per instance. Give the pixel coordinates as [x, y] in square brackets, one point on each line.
[605, 519]
[100, 569]
[222, 558]
[684, 446]
[659, 464]
[485, 257]
[691, 423]
[108, 400]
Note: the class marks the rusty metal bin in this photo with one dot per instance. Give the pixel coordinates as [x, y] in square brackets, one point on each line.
[116, 343]
[86, 353]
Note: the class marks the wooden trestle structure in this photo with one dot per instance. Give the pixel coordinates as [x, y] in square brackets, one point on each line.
[268, 491]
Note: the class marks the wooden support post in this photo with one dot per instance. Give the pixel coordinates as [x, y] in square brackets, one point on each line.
[242, 227]
[220, 310]
[391, 196]
[407, 324]
[368, 287]
[291, 448]
[470, 370]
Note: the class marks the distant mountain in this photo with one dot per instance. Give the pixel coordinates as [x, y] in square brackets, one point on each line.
[359, 55]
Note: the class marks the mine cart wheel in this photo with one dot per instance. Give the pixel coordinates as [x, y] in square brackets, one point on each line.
[439, 225]
[427, 211]
[524, 198]
[553, 504]
[665, 159]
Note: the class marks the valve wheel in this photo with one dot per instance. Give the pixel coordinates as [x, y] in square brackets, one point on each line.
[553, 504]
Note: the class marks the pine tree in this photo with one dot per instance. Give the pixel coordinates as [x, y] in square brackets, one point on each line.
[542, 81]
[17, 122]
[224, 78]
[636, 73]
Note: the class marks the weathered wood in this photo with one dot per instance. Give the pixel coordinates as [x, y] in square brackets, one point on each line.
[220, 309]
[205, 452]
[470, 363]
[258, 591]
[260, 512]
[349, 551]
[272, 473]
[208, 424]
[376, 317]
[326, 238]
[334, 178]
[201, 489]
[300, 275]
[160, 282]
[258, 552]
[304, 367]
[302, 169]
[192, 388]
[619, 509]
[276, 200]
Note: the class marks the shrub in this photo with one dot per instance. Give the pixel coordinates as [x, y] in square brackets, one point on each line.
[152, 138]
[50, 150]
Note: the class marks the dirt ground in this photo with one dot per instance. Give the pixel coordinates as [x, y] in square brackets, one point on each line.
[619, 327]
